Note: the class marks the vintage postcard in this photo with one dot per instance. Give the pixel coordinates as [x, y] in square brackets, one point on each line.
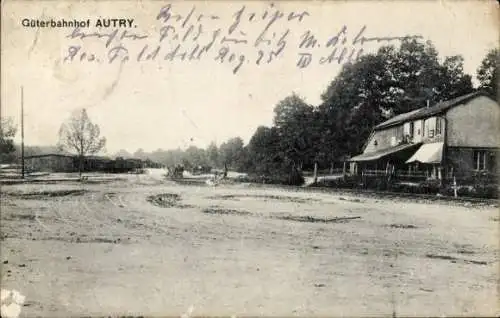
[249, 158]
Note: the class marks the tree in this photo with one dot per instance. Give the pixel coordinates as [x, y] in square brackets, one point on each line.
[79, 135]
[213, 154]
[264, 156]
[454, 81]
[140, 154]
[353, 104]
[7, 132]
[392, 81]
[123, 154]
[194, 157]
[294, 121]
[487, 73]
[230, 152]
[263, 151]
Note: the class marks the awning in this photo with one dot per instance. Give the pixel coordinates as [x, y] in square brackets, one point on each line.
[428, 153]
[383, 153]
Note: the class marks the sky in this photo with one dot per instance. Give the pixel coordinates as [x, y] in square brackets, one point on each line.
[169, 104]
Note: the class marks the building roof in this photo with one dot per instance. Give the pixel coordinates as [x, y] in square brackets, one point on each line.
[92, 157]
[383, 153]
[428, 153]
[429, 111]
[66, 156]
[50, 155]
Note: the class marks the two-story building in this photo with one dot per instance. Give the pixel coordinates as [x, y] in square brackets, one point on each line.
[457, 137]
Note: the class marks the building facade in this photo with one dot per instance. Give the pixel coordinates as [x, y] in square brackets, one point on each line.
[51, 163]
[458, 138]
[71, 163]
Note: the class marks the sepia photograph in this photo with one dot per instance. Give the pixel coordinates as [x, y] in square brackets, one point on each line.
[249, 158]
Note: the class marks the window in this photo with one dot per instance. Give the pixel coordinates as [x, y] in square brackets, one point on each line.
[398, 133]
[431, 126]
[479, 162]
[412, 129]
[438, 126]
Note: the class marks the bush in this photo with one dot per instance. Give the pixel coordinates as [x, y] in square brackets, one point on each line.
[484, 191]
[425, 187]
[292, 178]
[487, 191]
[406, 188]
[348, 182]
[295, 177]
[376, 183]
[429, 187]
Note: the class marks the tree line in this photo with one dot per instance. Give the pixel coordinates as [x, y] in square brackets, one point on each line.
[377, 86]
[228, 154]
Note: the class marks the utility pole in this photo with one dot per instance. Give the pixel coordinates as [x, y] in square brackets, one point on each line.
[22, 132]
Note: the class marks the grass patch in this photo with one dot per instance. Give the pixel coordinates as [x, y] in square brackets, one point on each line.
[455, 259]
[262, 197]
[476, 262]
[224, 211]
[21, 217]
[402, 226]
[165, 200]
[72, 239]
[168, 200]
[47, 194]
[350, 200]
[444, 257]
[310, 219]
[464, 249]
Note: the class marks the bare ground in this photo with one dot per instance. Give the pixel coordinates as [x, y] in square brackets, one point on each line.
[148, 247]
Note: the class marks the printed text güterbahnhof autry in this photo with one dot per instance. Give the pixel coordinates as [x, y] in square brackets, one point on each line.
[78, 23]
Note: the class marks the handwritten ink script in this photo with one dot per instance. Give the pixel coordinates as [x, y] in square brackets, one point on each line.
[246, 37]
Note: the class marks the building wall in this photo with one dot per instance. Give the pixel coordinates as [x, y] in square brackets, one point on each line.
[50, 164]
[424, 130]
[474, 124]
[462, 160]
[418, 130]
[433, 129]
[381, 139]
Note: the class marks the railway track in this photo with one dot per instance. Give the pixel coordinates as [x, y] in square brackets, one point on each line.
[365, 192]
[385, 194]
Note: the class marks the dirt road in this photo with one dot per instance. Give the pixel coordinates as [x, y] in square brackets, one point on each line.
[147, 247]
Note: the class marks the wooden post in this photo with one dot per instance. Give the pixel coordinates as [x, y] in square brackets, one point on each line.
[344, 170]
[455, 187]
[315, 176]
[22, 132]
[388, 171]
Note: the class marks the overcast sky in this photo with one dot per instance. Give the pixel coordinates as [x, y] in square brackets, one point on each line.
[164, 104]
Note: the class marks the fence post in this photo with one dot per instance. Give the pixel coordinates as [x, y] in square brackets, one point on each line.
[344, 170]
[315, 177]
[455, 187]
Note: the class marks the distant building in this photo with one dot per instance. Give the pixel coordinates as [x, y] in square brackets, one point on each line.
[50, 163]
[95, 163]
[71, 163]
[459, 137]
